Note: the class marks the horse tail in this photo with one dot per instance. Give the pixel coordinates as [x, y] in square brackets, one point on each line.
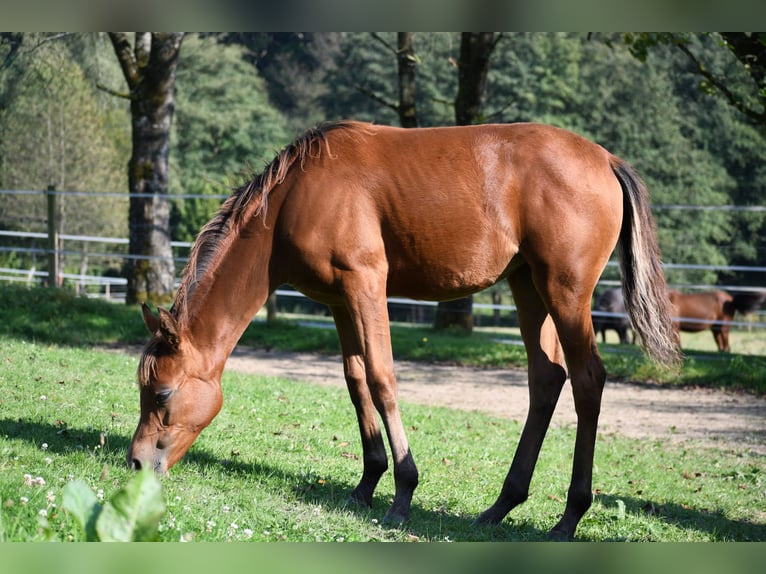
[643, 281]
[747, 302]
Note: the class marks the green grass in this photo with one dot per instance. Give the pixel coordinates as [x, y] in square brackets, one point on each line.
[281, 458]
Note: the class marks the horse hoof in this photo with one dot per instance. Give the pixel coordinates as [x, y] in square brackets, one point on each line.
[488, 518]
[559, 535]
[395, 518]
[357, 498]
[358, 502]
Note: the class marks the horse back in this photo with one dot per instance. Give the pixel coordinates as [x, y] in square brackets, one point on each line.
[450, 211]
[704, 307]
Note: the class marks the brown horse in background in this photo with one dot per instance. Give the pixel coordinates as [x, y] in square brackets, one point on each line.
[351, 213]
[695, 312]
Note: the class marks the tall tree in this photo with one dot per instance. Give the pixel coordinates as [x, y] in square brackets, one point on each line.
[473, 66]
[149, 67]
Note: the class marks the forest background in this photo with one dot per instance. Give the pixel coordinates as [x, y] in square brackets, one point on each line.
[239, 97]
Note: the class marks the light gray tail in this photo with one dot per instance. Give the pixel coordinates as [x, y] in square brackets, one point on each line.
[643, 281]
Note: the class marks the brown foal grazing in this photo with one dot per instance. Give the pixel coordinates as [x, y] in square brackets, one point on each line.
[350, 213]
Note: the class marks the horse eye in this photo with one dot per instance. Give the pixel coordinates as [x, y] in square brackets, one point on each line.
[162, 397]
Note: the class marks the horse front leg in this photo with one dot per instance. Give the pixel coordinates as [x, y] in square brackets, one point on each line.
[367, 309]
[375, 459]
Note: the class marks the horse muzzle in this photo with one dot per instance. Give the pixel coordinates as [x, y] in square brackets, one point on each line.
[154, 460]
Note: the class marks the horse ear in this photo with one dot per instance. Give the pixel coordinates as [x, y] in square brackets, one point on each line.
[169, 329]
[150, 320]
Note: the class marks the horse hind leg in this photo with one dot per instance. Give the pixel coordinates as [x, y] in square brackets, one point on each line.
[572, 338]
[721, 336]
[587, 376]
[547, 375]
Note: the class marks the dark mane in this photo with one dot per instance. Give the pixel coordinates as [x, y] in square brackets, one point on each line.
[249, 200]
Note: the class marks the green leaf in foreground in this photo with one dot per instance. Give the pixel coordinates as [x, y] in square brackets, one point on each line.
[132, 515]
[83, 505]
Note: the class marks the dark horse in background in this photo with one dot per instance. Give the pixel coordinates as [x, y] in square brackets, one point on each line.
[351, 213]
[609, 313]
[714, 310]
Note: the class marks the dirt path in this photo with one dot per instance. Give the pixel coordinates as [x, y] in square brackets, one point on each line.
[703, 416]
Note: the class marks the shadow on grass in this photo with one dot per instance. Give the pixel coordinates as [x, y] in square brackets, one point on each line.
[62, 438]
[432, 524]
[60, 317]
[333, 494]
[684, 517]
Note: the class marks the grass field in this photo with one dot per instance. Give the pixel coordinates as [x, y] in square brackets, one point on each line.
[279, 461]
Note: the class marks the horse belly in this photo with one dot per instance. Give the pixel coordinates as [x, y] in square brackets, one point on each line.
[447, 266]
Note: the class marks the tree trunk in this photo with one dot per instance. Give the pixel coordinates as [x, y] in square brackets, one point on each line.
[473, 67]
[406, 62]
[149, 68]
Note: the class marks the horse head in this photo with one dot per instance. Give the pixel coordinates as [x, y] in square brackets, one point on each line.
[180, 395]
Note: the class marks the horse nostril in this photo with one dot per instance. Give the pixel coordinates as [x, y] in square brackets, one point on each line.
[135, 464]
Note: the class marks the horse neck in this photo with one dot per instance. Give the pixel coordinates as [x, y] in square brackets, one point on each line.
[232, 292]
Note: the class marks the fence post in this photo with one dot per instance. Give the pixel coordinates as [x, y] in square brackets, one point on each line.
[53, 237]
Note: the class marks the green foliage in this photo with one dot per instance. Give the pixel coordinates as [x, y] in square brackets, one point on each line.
[57, 130]
[365, 85]
[241, 96]
[223, 123]
[54, 129]
[133, 513]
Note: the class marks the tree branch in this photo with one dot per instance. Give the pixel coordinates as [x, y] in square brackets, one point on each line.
[380, 39]
[143, 49]
[126, 57]
[113, 92]
[719, 84]
[377, 98]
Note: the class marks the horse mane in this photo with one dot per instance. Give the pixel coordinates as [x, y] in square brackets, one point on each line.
[248, 200]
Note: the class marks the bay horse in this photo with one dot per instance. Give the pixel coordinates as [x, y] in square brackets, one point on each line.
[695, 312]
[350, 213]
